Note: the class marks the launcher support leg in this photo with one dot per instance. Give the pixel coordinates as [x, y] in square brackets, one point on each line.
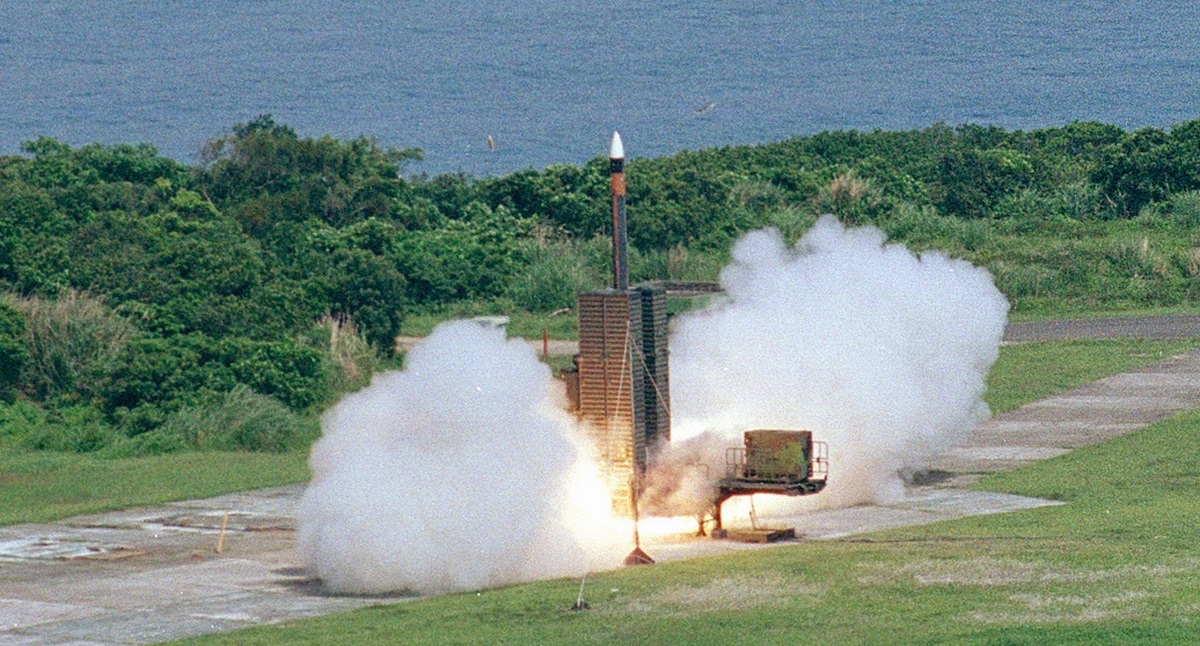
[718, 530]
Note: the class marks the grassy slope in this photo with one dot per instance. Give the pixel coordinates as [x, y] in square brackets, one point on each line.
[43, 486]
[1119, 564]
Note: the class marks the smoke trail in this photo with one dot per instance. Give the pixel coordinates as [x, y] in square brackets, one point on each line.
[883, 354]
[454, 474]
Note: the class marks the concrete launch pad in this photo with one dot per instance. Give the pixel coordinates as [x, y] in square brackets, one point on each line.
[153, 574]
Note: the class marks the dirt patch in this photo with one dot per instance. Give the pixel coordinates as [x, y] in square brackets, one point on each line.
[980, 571]
[1072, 608]
[726, 594]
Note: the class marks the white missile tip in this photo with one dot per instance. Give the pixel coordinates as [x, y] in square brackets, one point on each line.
[617, 150]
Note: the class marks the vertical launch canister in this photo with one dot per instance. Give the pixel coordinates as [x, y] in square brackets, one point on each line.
[616, 158]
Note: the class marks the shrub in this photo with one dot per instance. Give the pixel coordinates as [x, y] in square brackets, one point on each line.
[73, 341]
[1083, 201]
[20, 421]
[757, 196]
[1024, 281]
[792, 222]
[1135, 259]
[919, 226]
[13, 352]
[156, 442]
[973, 181]
[1181, 208]
[76, 429]
[241, 419]
[1026, 204]
[165, 374]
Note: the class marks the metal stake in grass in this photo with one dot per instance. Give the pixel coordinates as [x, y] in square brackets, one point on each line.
[580, 604]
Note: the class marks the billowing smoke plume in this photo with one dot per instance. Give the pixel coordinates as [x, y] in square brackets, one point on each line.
[462, 471]
[881, 353]
[454, 474]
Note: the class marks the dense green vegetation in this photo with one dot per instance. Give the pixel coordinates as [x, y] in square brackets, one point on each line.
[1118, 564]
[148, 306]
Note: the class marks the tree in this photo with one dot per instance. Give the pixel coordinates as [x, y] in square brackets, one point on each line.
[263, 174]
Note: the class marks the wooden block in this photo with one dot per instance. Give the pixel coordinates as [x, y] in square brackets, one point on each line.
[760, 535]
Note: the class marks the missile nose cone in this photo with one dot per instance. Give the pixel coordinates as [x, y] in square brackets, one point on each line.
[616, 150]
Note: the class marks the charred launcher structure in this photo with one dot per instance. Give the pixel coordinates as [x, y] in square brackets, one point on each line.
[623, 383]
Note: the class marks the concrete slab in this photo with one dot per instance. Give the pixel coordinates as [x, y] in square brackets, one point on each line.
[1178, 326]
[23, 613]
[1099, 411]
[138, 627]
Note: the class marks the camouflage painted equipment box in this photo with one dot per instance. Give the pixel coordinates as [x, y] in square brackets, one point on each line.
[778, 455]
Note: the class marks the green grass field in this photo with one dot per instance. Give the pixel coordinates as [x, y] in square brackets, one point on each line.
[1030, 371]
[40, 486]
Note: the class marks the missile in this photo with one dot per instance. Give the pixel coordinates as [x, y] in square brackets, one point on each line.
[616, 169]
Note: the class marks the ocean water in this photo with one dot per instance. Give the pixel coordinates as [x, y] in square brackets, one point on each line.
[549, 81]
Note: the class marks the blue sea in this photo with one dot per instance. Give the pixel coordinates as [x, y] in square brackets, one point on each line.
[550, 80]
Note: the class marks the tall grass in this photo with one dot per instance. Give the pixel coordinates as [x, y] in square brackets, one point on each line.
[850, 197]
[72, 340]
[352, 360]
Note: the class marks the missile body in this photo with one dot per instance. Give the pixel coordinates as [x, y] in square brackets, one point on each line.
[616, 158]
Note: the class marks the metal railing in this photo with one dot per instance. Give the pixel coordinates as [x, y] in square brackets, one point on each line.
[735, 462]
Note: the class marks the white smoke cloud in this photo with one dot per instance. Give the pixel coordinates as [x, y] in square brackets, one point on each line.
[456, 473]
[883, 354]
[463, 471]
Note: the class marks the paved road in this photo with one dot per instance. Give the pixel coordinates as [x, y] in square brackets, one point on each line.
[1169, 327]
[153, 574]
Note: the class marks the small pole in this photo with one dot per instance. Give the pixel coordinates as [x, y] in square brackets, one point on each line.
[580, 604]
[545, 343]
[221, 536]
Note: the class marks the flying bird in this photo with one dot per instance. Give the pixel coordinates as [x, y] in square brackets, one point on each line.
[705, 108]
